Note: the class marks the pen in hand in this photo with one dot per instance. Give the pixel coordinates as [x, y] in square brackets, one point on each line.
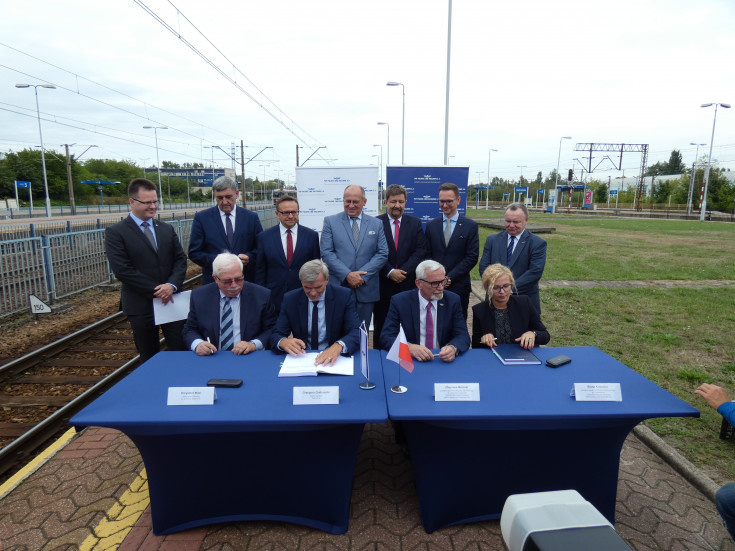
[211, 351]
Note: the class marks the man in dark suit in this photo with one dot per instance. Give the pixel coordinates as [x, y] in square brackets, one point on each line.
[283, 249]
[353, 246]
[224, 228]
[335, 328]
[453, 241]
[431, 318]
[406, 248]
[146, 256]
[516, 247]
[234, 314]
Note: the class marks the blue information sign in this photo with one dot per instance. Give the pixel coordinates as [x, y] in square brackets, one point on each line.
[21, 184]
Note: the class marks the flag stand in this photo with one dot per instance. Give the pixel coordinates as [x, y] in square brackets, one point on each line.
[367, 384]
[398, 389]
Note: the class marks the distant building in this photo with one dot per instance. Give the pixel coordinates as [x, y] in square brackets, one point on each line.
[198, 177]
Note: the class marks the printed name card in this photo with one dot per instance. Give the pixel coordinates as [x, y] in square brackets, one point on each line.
[191, 396]
[597, 392]
[456, 392]
[308, 395]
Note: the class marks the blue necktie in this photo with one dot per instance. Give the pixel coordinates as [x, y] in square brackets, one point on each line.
[230, 232]
[510, 250]
[227, 339]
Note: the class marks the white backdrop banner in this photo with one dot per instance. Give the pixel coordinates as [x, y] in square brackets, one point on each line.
[320, 191]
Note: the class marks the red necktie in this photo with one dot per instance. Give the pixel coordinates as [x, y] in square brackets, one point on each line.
[397, 232]
[429, 327]
[289, 247]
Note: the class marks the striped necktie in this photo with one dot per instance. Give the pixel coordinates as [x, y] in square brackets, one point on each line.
[227, 337]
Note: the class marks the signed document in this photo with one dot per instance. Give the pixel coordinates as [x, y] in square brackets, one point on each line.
[303, 366]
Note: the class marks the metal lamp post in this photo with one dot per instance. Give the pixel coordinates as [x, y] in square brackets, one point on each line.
[387, 156]
[403, 119]
[158, 163]
[40, 135]
[691, 182]
[380, 163]
[709, 159]
[556, 184]
[487, 191]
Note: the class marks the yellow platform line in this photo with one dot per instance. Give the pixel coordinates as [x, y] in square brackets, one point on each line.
[120, 518]
[33, 465]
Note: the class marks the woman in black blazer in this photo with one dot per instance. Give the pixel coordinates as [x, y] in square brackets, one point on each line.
[505, 318]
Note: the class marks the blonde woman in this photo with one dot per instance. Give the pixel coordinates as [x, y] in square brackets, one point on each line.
[505, 318]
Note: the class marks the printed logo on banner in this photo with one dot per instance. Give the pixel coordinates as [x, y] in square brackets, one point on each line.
[306, 190]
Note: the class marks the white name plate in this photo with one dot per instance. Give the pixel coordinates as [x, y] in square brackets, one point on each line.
[308, 395]
[191, 396]
[457, 392]
[597, 392]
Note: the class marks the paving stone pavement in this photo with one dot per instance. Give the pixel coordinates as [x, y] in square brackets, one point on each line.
[74, 502]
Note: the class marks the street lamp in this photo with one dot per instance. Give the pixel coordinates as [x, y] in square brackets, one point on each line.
[380, 163]
[40, 134]
[709, 159]
[158, 164]
[556, 185]
[691, 182]
[403, 119]
[387, 156]
[487, 191]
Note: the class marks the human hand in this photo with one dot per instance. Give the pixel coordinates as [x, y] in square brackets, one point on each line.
[447, 353]
[205, 348]
[489, 340]
[292, 346]
[245, 259]
[354, 279]
[399, 276]
[713, 394]
[420, 352]
[329, 356]
[527, 340]
[243, 347]
[165, 292]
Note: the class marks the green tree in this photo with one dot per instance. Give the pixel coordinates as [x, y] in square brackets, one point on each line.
[675, 165]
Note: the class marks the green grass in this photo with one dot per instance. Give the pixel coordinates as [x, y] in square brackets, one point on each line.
[678, 337]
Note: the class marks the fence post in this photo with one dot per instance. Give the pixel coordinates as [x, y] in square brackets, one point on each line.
[48, 270]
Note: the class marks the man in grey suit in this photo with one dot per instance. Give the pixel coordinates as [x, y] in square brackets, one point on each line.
[516, 247]
[354, 247]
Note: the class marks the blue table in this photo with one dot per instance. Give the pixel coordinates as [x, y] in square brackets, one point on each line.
[526, 434]
[252, 455]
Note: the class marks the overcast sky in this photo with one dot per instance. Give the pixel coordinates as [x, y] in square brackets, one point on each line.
[285, 72]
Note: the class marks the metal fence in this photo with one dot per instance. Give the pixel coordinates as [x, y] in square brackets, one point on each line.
[58, 265]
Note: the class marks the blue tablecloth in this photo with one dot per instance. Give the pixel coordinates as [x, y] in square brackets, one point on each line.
[526, 434]
[252, 455]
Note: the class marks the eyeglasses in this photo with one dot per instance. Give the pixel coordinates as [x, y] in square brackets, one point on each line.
[146, 203]
[505, 288]
[288, 212]
[225, 197]
[446, 201]
[230, 281]
[435, 284]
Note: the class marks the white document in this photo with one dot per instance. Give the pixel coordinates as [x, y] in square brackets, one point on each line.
[303, 365]
[191, 396]
[175, 310]
[597, 392]
[456, 392]
[309, 395]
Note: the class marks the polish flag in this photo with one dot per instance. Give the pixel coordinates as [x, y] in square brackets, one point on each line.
[399, 352]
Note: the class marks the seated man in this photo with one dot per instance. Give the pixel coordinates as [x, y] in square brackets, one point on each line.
[233, 315]
[320, 318]
[431, 317]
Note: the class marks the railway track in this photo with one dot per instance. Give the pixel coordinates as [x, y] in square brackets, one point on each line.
[42, 390]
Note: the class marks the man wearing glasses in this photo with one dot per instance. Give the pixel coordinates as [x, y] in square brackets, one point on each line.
[233, 315]
[431, 318]
[283, 249]
[453, 241]
[224, 228]
[146, 256]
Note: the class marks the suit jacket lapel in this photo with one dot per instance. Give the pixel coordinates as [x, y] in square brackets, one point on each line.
[135, 228]
[416, 313]
[441, 310]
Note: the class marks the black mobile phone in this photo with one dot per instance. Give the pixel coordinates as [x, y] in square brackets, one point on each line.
[556, 361]
[225, 383]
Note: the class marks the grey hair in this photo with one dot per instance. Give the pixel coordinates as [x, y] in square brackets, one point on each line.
[518, 206]
[224, 183]
[310, 271]
[428, 266]
[225, 260]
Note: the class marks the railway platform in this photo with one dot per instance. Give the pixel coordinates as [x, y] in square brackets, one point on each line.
[90, 493]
